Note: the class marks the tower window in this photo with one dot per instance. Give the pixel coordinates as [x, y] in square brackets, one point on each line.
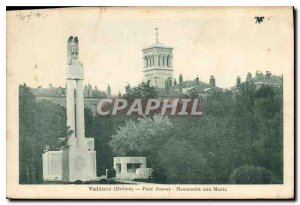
[168, 61]
[146, 59]
[149, 61]
[159, 60]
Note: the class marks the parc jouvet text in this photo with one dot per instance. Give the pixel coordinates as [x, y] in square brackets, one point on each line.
[155, 189]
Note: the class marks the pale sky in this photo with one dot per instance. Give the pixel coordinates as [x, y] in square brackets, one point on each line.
[210, 41]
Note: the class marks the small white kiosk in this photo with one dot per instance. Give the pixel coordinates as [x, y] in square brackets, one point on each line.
[131, 168]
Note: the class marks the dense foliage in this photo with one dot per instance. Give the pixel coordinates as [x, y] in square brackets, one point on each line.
[250, 175]
[142, 91]
[239, 138]
[237, 129]
[143, 137]
[42, 126]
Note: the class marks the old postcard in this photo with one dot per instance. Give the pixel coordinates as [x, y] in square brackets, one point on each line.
[150, 103]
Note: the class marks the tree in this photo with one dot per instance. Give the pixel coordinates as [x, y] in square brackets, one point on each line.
[219, 104]
[88, 122]
[52, 129]
[213, 137]
[142, 91]
[42, 125]
[111, 173]
[268, 109]
[251, 175]
[143, 137]
[167, 86]
[27, 122]
[175, 82]
[101, 128]
[239, 129]
[180, 79]
[258, 125]
[182, 163]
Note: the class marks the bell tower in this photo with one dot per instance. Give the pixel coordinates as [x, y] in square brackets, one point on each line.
[158, 63]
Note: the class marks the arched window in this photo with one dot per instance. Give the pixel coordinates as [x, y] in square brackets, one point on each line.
[159, 60]
[146, 59]
[168, 61]
[163, 61]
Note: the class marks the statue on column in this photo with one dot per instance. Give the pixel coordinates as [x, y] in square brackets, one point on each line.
[73, 49]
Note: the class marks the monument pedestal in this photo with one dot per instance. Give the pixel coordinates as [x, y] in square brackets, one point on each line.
[79, 164]
[52, 166]
[75, 163]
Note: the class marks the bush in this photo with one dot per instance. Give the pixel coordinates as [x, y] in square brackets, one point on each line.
[250, 175]
[157, 177]
[182, 163]
[78, 182]
[102, 181]
[111, 173]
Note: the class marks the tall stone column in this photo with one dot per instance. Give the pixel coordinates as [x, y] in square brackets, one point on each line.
[80, 132]
[71, 106]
